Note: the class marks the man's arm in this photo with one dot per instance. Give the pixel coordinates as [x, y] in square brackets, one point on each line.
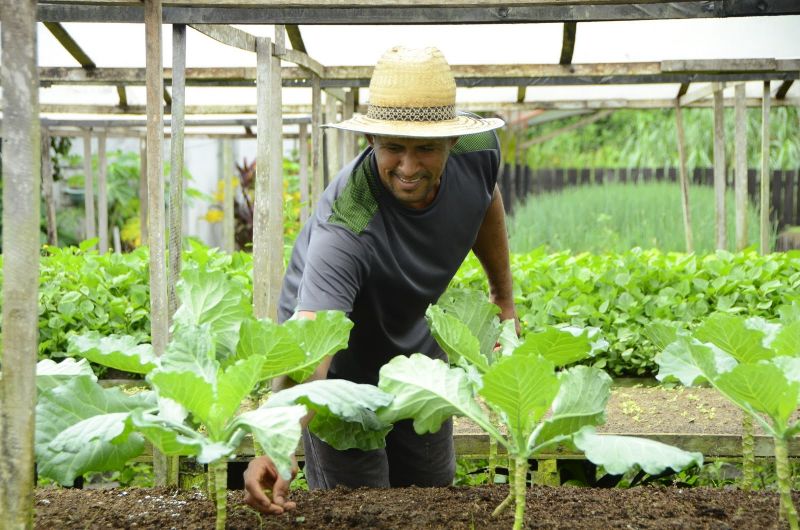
[491, 249]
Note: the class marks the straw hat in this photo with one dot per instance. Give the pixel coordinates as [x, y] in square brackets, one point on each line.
[413, 93]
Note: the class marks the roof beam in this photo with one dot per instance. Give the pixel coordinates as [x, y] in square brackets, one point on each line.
[583, 122]
[293, 30]
[407, 11]
[783, 89]
[69, 44]
[466, 75]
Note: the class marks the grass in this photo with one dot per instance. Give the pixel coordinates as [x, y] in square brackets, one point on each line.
[617, 217]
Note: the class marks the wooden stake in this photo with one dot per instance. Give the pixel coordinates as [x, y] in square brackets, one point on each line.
[228, 244]
[176, 163]
[740, 167]
[764, 217]
[719, 170]
[303, 173]
[331, 137]
[349, 145]
[684, 179]
[102, 194]
[89, 223]
[143, 239]
[317, 169]
[47, 191]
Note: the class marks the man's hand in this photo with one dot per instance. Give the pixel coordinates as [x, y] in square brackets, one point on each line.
[261, 475]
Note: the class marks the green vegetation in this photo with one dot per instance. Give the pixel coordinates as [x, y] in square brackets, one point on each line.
[622, 294]
[648, 138]
[753, 363]
[520, 382]
[617, 217]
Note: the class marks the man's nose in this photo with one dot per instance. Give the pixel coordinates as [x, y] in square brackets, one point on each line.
[408, 164]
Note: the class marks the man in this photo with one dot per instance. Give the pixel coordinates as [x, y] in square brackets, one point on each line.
[387, 237]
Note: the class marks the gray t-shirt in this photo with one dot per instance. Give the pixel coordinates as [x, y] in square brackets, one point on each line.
[382, 263]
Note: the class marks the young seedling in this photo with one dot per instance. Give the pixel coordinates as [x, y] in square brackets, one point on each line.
[756, 365]
[539, 406]
[206, 374]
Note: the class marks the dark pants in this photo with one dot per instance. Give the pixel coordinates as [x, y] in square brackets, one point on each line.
[408, 459]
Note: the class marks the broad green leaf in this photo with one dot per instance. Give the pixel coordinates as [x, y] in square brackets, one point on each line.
[661, 334]
[618, 454]
[731, 335]
[274, 343]
[787, 341]
[81, 398]
[455, 338]
[581, 401]
[321, 337]
[790, 366]
[233, 385]
[474, 310]
[560, 347]
[429, 392]
[762, 387]
[50, 374]
[121, 352]
[689, 361]
[209, 297]
[769, 329]
[523, 387]
[191, 350]
[176, 439]
[277, 430]
[98, 443]
[187, 389]
[509, 341]
[344, 412]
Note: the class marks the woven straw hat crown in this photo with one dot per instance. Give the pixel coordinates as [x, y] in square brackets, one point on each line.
[413, 93]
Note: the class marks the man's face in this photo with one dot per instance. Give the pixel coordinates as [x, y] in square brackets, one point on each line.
[411, 168]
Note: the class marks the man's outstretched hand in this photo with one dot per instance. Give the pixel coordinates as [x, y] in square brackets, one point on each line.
[264, 488]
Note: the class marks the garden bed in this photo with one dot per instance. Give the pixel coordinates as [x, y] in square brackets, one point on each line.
[450, 508]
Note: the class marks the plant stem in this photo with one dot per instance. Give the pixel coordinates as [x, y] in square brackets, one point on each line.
[520, 487]
[748, 452]
[220, 471]
[510, 497]
[211, 482]
[784, 482]
[492, 451]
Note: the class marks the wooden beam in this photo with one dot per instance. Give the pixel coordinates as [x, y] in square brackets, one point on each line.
[568, 42]
[176, 158]
[317, 152]
[89, 221]
[684, 180]
[558, 132]
[783, 89]
[740, 167]
[69, 44]
[47, 190]
[411, 12]
[699, 94]
[102, 194]
[296, 38]
[228, 218]
[227, 35]
[684, 88]
[764, 228]
[123, 96]
[521, 93]
[720, 176]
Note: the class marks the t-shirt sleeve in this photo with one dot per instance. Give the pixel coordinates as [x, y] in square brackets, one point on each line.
[335, 267]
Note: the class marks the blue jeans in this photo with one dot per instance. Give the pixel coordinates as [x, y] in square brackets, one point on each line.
[408, 459]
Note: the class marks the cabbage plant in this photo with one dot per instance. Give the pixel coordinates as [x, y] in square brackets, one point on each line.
[216, 357]
[755, 364]
[523, 383]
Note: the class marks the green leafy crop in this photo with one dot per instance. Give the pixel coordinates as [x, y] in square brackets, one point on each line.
[525, 385]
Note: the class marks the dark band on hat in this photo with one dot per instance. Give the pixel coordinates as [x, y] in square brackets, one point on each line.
[443, 113]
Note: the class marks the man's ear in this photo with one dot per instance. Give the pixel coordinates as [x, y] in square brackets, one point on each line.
[454, 141]
[370, 139]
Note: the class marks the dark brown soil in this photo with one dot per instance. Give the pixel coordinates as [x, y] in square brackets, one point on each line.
[417, 508]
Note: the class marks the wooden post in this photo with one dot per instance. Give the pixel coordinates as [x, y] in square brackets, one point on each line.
[47, 191]
[317, 170]
[302, 153]
[719, 168]
[89, 223]
[228, 244]
[102, 194]
[332, 138]
[687, 214]
[764, 207]
[176, 163]
[143, 239]
[21, 195]
[740, 167]
[275, 130]
[117, 240]
[349, 143]
[155, 204]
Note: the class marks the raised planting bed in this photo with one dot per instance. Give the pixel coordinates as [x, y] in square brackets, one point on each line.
[418, 508]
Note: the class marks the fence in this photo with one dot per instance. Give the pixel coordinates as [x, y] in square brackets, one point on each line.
[518, 182]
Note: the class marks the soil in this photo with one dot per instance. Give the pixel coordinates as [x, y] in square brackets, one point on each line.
[416, 508]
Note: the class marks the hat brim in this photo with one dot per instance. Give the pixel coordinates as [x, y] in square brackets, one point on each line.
[459, 126]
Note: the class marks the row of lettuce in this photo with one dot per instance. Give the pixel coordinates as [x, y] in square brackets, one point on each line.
[619, 294]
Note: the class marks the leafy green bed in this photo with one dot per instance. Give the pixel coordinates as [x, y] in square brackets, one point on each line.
[623, 293]
[620, 294]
